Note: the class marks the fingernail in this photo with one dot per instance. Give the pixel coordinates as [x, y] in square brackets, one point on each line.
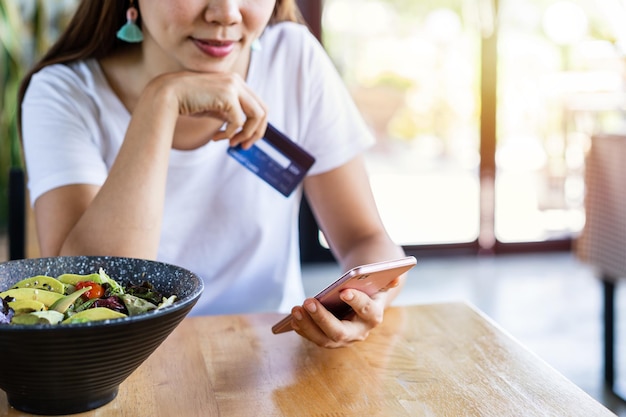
[311, 307]
[297, 314]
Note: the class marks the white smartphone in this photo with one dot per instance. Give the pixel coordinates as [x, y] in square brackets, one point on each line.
[370, 279]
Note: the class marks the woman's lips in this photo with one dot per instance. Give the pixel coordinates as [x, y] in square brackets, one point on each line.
[216, 49]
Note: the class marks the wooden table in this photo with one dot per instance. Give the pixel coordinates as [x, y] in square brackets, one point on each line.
[428, 360]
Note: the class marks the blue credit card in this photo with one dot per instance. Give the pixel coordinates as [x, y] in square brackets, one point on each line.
[276, 159]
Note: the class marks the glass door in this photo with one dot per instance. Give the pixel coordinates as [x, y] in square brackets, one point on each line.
[414, 71]
[560, 81]
[483, 111]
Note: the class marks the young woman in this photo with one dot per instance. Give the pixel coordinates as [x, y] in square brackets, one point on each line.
[126, 150]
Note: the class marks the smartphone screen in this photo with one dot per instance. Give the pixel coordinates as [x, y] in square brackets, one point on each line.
[370, 279]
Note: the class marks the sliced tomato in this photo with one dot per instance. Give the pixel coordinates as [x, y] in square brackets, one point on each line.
[96, 290]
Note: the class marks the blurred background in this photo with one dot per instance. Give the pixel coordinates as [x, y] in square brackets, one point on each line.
[483, 112]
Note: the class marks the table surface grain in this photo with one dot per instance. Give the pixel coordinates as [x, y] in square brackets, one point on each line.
[428, 360]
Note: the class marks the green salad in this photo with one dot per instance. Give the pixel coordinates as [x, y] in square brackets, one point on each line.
[74, 298]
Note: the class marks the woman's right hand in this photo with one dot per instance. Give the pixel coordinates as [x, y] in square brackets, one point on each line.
[222, 96]
[126, 212]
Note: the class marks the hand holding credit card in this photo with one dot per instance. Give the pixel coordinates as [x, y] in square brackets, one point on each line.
[275, 159]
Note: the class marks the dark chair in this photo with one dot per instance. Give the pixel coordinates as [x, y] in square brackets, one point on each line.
[17, 214]
[311, 250]
[603, 238]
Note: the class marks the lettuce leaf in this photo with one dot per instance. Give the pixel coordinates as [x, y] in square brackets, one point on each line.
[6, 312]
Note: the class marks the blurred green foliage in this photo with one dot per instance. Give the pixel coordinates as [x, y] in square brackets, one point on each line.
[11, 71]
[25, 32]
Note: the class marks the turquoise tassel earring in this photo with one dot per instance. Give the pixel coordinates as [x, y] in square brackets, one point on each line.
[130, 32]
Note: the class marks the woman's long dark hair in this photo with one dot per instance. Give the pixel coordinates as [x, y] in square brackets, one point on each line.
[91, 34]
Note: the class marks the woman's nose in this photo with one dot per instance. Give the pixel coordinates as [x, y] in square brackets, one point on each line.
[223, 12]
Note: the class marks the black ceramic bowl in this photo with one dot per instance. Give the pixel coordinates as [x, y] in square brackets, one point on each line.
[66, 369]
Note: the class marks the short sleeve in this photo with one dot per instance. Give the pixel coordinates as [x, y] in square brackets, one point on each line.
[306, 97]
[60, 134]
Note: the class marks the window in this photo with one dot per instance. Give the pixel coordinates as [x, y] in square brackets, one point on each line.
[483, 111]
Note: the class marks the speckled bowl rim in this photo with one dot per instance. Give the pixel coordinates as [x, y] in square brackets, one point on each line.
[181, 303]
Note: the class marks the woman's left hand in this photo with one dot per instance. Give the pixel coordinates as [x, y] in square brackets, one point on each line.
[314, 322]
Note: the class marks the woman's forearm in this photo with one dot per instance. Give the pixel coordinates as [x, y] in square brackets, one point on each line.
[125, 216]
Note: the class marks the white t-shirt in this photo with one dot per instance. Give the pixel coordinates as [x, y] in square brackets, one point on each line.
[220, 220]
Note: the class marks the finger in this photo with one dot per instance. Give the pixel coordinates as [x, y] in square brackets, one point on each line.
[244, 106]
[307, 328]
[304, 325]
[366, 309]
[227, 102]
[255, 124]
[393, 284]
[327, 330]
[252, 131]
[233, 125]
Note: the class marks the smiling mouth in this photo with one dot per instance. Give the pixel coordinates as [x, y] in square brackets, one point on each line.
[213, 42]
[214, 48]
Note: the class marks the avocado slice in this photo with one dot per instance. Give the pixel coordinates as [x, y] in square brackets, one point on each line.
[46, 297]
[27, 306]
[73, 279]
[42, 282]
[93, 314]
[38, 317]
[62, 304]
[99, 278]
